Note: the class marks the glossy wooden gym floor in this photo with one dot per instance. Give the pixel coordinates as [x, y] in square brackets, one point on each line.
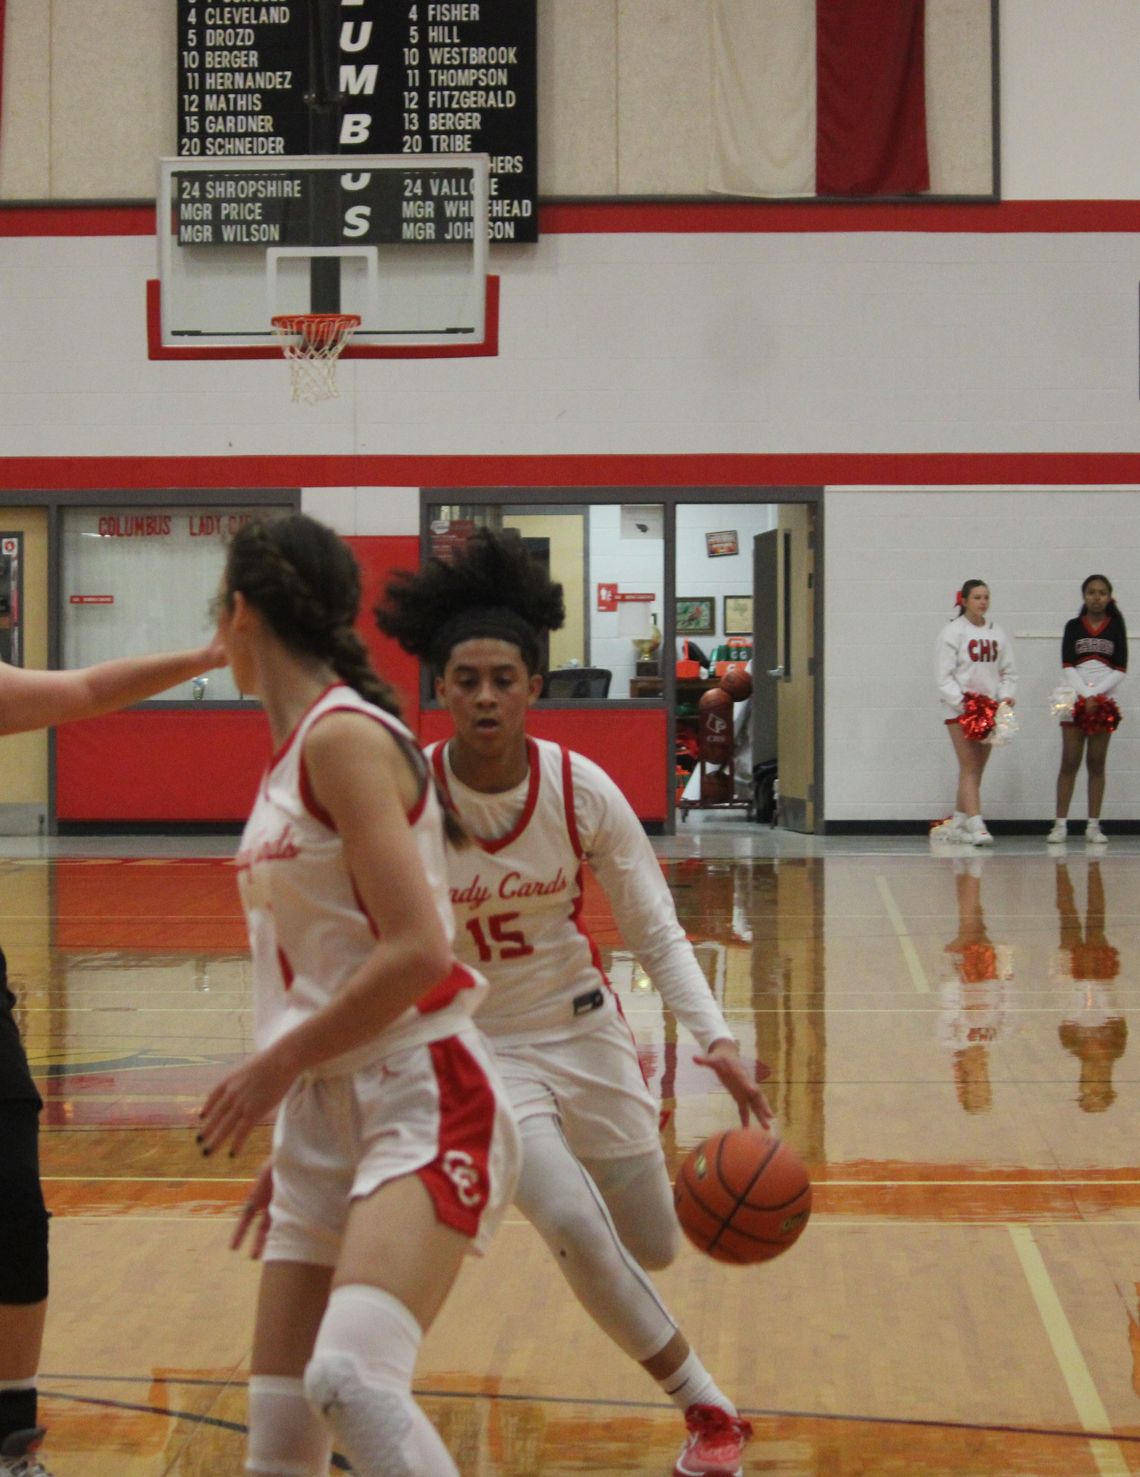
[964, 1299]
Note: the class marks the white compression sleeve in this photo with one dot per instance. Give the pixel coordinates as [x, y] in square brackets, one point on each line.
[558, 1197]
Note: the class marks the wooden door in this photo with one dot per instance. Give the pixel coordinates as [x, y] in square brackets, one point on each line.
[765, 645]
[796, 685]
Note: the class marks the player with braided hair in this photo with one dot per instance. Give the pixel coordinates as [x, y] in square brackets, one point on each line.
[594, 1181]
[394, 1148]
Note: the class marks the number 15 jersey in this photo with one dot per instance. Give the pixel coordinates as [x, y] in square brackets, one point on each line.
[517, 896]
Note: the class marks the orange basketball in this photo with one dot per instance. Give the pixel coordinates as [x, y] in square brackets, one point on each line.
[743, 1196]
[716, 700]
[737, 682]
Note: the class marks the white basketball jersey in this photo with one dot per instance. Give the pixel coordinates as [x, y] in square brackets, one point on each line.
[308, 928]
[518, 902]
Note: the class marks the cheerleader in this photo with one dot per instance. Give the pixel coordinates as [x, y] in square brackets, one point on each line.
[974, 656]
[1094, 655]
[594, 1181]
[394, 1150]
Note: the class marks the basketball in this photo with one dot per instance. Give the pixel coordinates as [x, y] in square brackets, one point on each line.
[737, 682]
[716, 700]
[743, 1196]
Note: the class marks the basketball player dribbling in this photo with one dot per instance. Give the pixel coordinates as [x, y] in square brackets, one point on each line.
[394, 1150]
[594, 1181]
[31, 700]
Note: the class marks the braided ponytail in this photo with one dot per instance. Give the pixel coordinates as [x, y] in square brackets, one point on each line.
[348, 657]
[304, 580]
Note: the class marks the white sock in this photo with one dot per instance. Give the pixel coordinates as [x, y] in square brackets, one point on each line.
[286, 1436]
[691, 1384]
[960, 817]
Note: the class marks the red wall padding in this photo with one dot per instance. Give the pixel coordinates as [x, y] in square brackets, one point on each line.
[379, 559]
[156, 765]
[628, 743]
[189, 765]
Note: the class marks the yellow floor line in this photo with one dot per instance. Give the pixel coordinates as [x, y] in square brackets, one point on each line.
[906, 944]
[1086, 1399]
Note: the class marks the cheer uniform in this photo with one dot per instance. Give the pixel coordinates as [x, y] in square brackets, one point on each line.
[423, 1096]
[1094, 657]
[973, 659]
[557, 1031]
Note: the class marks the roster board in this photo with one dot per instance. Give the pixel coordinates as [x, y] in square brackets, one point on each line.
[418, 77]
[303, 207]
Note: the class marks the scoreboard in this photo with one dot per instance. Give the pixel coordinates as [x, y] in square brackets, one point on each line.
[417, 77]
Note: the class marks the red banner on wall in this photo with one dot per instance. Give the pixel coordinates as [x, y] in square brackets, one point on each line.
[871, 98]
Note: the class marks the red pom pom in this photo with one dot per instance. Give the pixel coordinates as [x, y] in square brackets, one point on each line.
[1100, 717]
[977, 716]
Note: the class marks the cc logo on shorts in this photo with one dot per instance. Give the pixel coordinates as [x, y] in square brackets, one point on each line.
[460, 1169]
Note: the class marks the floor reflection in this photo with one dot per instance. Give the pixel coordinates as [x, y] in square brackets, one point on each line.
[977, 997]
[1093, 1028]
[944, 1039]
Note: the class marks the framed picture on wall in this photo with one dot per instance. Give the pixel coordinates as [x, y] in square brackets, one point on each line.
[696, 616]
[722, 543]
[738, 615]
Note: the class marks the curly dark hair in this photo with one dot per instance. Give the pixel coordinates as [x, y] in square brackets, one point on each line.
[493, 587]
[1112, 608]
[304, 580]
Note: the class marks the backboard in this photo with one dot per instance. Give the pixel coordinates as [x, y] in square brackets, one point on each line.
[399, 241]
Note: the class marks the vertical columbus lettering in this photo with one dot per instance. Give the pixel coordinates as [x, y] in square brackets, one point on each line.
[358, 41]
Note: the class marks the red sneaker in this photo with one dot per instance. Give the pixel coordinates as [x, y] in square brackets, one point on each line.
[715, 1444]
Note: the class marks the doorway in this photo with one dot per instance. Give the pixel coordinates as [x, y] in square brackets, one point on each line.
[752, 569]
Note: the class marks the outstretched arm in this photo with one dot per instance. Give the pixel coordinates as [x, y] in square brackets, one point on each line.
[627, 868]
[37, 699]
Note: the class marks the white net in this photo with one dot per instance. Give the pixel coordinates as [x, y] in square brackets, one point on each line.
[312, 344]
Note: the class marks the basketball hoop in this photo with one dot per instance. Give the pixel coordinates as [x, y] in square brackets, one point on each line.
[312, 343]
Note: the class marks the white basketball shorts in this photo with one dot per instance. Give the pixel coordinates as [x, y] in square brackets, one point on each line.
[438, 1110]
[592, 1082]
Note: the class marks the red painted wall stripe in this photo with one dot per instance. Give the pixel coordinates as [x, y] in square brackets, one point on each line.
[675, 217]
[101, 475]
[870, 98]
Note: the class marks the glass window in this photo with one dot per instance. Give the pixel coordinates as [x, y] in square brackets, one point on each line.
[610, 560]
[138, 580]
